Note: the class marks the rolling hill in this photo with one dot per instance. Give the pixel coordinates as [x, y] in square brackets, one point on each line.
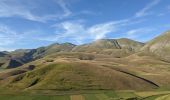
[67, 67]
[73, 73]
[115, 47]
[159, 47]
[23, 56]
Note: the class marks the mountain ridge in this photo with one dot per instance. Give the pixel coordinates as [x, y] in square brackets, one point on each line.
[117, 47]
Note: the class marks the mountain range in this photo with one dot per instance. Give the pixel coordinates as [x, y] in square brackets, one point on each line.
[119, 64]
[115, 47]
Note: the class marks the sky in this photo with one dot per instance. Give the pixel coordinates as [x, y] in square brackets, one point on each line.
[26, 24]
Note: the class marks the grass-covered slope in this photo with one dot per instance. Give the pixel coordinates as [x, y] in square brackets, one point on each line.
[159, 47]
[69, 72]
[27, 55]
[115, 47]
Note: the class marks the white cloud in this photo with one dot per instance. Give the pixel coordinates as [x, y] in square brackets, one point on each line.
[101, 30]
[145, 10]
[69, 31]
[63, 5]
[138, 33]
[76, 31]
[9, 9]
[17, 9]
[7, 36]
[6, 49]
[165, 11]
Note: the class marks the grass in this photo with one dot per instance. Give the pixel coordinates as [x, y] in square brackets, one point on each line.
[102, 97]
[111, 94]
[70, 73]
[151, 93]
[66, 75]
[31, 97]
[95, 95]
[90, 97]
[75, 76]
[98, 95]
[157, 97]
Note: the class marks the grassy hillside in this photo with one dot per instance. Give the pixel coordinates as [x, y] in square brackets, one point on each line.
[27, 55]
[106, 64]
[158, 47]
[115, 47]
[68, 71]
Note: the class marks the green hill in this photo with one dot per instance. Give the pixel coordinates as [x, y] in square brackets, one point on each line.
[107, 64]
[66, 71]
[28, 55]
[115, 47]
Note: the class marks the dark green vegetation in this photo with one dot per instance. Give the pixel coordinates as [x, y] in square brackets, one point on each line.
[105, 66]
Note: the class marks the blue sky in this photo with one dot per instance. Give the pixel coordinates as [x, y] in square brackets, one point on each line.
[35, 23]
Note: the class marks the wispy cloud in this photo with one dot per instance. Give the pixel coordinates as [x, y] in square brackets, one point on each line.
[101, 30]
[10, 9]
[6, 49]
[145, 10]
[11, 39]
[65, 8]
[78, 32]
[17, 9]
[7, 36]
[165, 11]
[139, 33]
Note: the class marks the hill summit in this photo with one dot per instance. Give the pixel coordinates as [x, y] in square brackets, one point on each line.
[159, 47]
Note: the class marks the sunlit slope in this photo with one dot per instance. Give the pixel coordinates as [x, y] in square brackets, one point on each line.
[159, 47]
[69, 72]
[115, 47]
